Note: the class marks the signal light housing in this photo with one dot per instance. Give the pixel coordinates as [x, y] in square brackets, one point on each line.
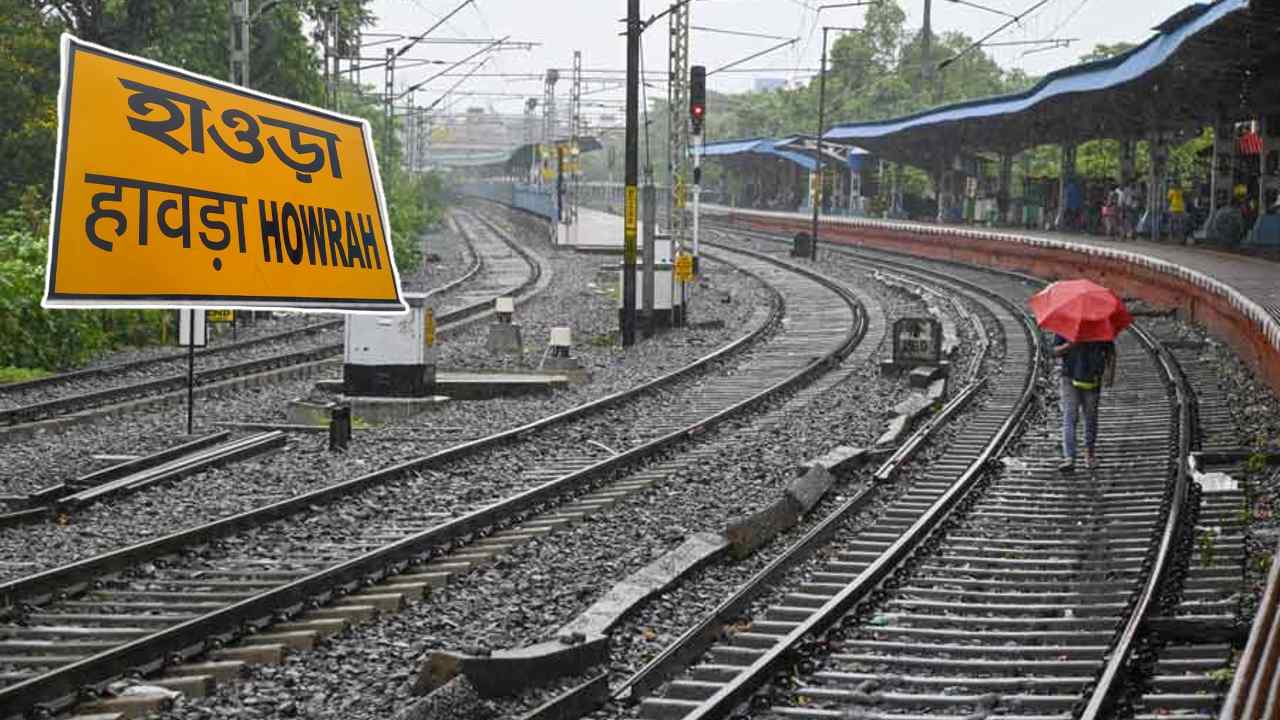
[697, 97]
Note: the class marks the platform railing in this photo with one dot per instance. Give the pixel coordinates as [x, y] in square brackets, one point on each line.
[1255, 689]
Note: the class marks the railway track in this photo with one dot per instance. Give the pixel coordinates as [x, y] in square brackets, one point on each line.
[499, 268]
[70, 630]
[1013, 593]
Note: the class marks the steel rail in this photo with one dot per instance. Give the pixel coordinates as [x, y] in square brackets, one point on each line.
[1255, 689]
[1118, 668]
[87, 401]
[127, 366]
[694, 641]
[741, 687]
[59, 688]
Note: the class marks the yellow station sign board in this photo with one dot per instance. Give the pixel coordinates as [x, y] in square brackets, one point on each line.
[177, 190]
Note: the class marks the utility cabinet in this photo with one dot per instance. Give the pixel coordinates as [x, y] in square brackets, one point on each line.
[388, 355]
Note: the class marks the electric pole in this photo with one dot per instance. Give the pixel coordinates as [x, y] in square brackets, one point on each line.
[548, 120]
[575, 125]
[331, 33]
[697, 121]
[634, 29]
[816, 200]
[389, 100]
[239, 40]
[678, 120]
[926, 45]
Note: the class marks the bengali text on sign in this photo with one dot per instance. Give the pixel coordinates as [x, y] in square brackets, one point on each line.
[176, 190]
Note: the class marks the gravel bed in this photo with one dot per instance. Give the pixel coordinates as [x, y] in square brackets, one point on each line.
[525, 595]
[584, 299]
[646, 632]
[1220, 378]
[56, 457]
[167, 368]
[173, 368]
[447, 257]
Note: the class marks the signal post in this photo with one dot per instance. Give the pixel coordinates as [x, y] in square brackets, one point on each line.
[697, 116]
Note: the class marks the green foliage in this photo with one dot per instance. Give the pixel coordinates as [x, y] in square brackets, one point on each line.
[192, 35]
[32, 337]
[16, 374]
[29, 86]
[1103, 51]
[415, 201]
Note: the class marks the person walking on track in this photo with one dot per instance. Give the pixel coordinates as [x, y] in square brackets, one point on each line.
[1086, 367]
[1085, 319]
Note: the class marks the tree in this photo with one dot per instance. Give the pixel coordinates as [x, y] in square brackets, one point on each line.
[1103, 51]
[29, 86]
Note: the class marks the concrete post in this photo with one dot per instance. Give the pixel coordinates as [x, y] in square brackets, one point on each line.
[1128, 161]
[1159, 154]
[939, 186]
[1066, 175]
[649, 199]
[1006, 180]
[897, 188]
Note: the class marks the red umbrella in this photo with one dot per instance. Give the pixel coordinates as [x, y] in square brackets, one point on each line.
[1080, 311]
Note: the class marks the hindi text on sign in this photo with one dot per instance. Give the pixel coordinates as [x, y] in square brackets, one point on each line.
[175, 190]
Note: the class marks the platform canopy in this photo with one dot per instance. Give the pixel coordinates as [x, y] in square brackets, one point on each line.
[799, 149]
[516, 160]
[1210, 62]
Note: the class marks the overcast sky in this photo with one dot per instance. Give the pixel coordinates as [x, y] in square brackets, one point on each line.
[562, 26]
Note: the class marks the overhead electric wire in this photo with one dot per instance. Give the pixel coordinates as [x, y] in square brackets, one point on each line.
[432, 29]
[981, 7]
[465, 59]
[451, 89]
[943, 65]
[739, 33]
[749, 58]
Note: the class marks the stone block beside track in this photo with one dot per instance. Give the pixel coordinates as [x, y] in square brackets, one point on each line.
[581, 644]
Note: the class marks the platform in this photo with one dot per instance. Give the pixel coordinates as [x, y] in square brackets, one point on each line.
[1236, 296]
[601, 232]
[1256, 277]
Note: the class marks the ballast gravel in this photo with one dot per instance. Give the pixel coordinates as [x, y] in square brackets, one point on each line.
[306, 464]
[524, 596]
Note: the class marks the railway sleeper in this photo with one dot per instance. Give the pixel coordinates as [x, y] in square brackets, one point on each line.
[992, 701]
[1012, 667]
[1062, 652]
[824, 714]
[1075, 637]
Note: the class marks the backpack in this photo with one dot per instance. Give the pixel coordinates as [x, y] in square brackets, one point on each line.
[1091, 366]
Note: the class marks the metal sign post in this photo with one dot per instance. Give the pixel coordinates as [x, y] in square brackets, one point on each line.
[191, 333]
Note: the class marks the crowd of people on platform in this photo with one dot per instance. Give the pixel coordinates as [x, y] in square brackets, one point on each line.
[1119, 211]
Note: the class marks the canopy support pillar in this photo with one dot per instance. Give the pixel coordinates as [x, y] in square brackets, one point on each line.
[1066, 178]
[1006, 180]
[1159, 152]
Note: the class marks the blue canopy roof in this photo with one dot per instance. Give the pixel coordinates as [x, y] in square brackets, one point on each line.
[1206, 70]
[758, 146]
[732, 147]
[1087, 77]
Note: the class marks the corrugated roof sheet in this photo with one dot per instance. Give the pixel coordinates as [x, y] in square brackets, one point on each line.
[1088, 77]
